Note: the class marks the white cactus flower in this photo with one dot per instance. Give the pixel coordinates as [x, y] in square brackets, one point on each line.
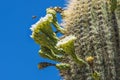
[47, 18]
[66, 40]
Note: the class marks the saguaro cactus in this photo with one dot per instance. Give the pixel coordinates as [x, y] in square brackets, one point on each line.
[90, 47]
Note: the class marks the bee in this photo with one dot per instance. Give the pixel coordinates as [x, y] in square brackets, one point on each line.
[34, 17]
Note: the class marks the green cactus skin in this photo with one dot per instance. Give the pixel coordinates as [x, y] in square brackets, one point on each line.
[96, 25]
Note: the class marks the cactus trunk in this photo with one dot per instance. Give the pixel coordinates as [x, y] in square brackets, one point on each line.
[96, 25]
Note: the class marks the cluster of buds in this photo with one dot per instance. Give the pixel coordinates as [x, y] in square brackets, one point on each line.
[52, 47]
[43, 34]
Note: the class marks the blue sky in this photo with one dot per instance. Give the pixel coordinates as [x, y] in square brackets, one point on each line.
[18, 52]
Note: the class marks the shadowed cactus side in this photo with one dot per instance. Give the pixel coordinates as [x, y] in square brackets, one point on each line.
[90, 47]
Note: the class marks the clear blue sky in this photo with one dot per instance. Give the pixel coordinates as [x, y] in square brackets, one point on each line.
[18, 52]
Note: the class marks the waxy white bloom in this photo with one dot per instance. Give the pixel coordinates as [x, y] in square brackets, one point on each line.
[47, 18]
[66, 40]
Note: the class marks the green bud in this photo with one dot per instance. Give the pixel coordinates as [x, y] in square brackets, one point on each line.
[63, 66]
[96, 75]
[51, 11]
[67, 44]
[47, 53]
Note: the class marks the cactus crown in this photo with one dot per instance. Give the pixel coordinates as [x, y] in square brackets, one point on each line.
[90, 47]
